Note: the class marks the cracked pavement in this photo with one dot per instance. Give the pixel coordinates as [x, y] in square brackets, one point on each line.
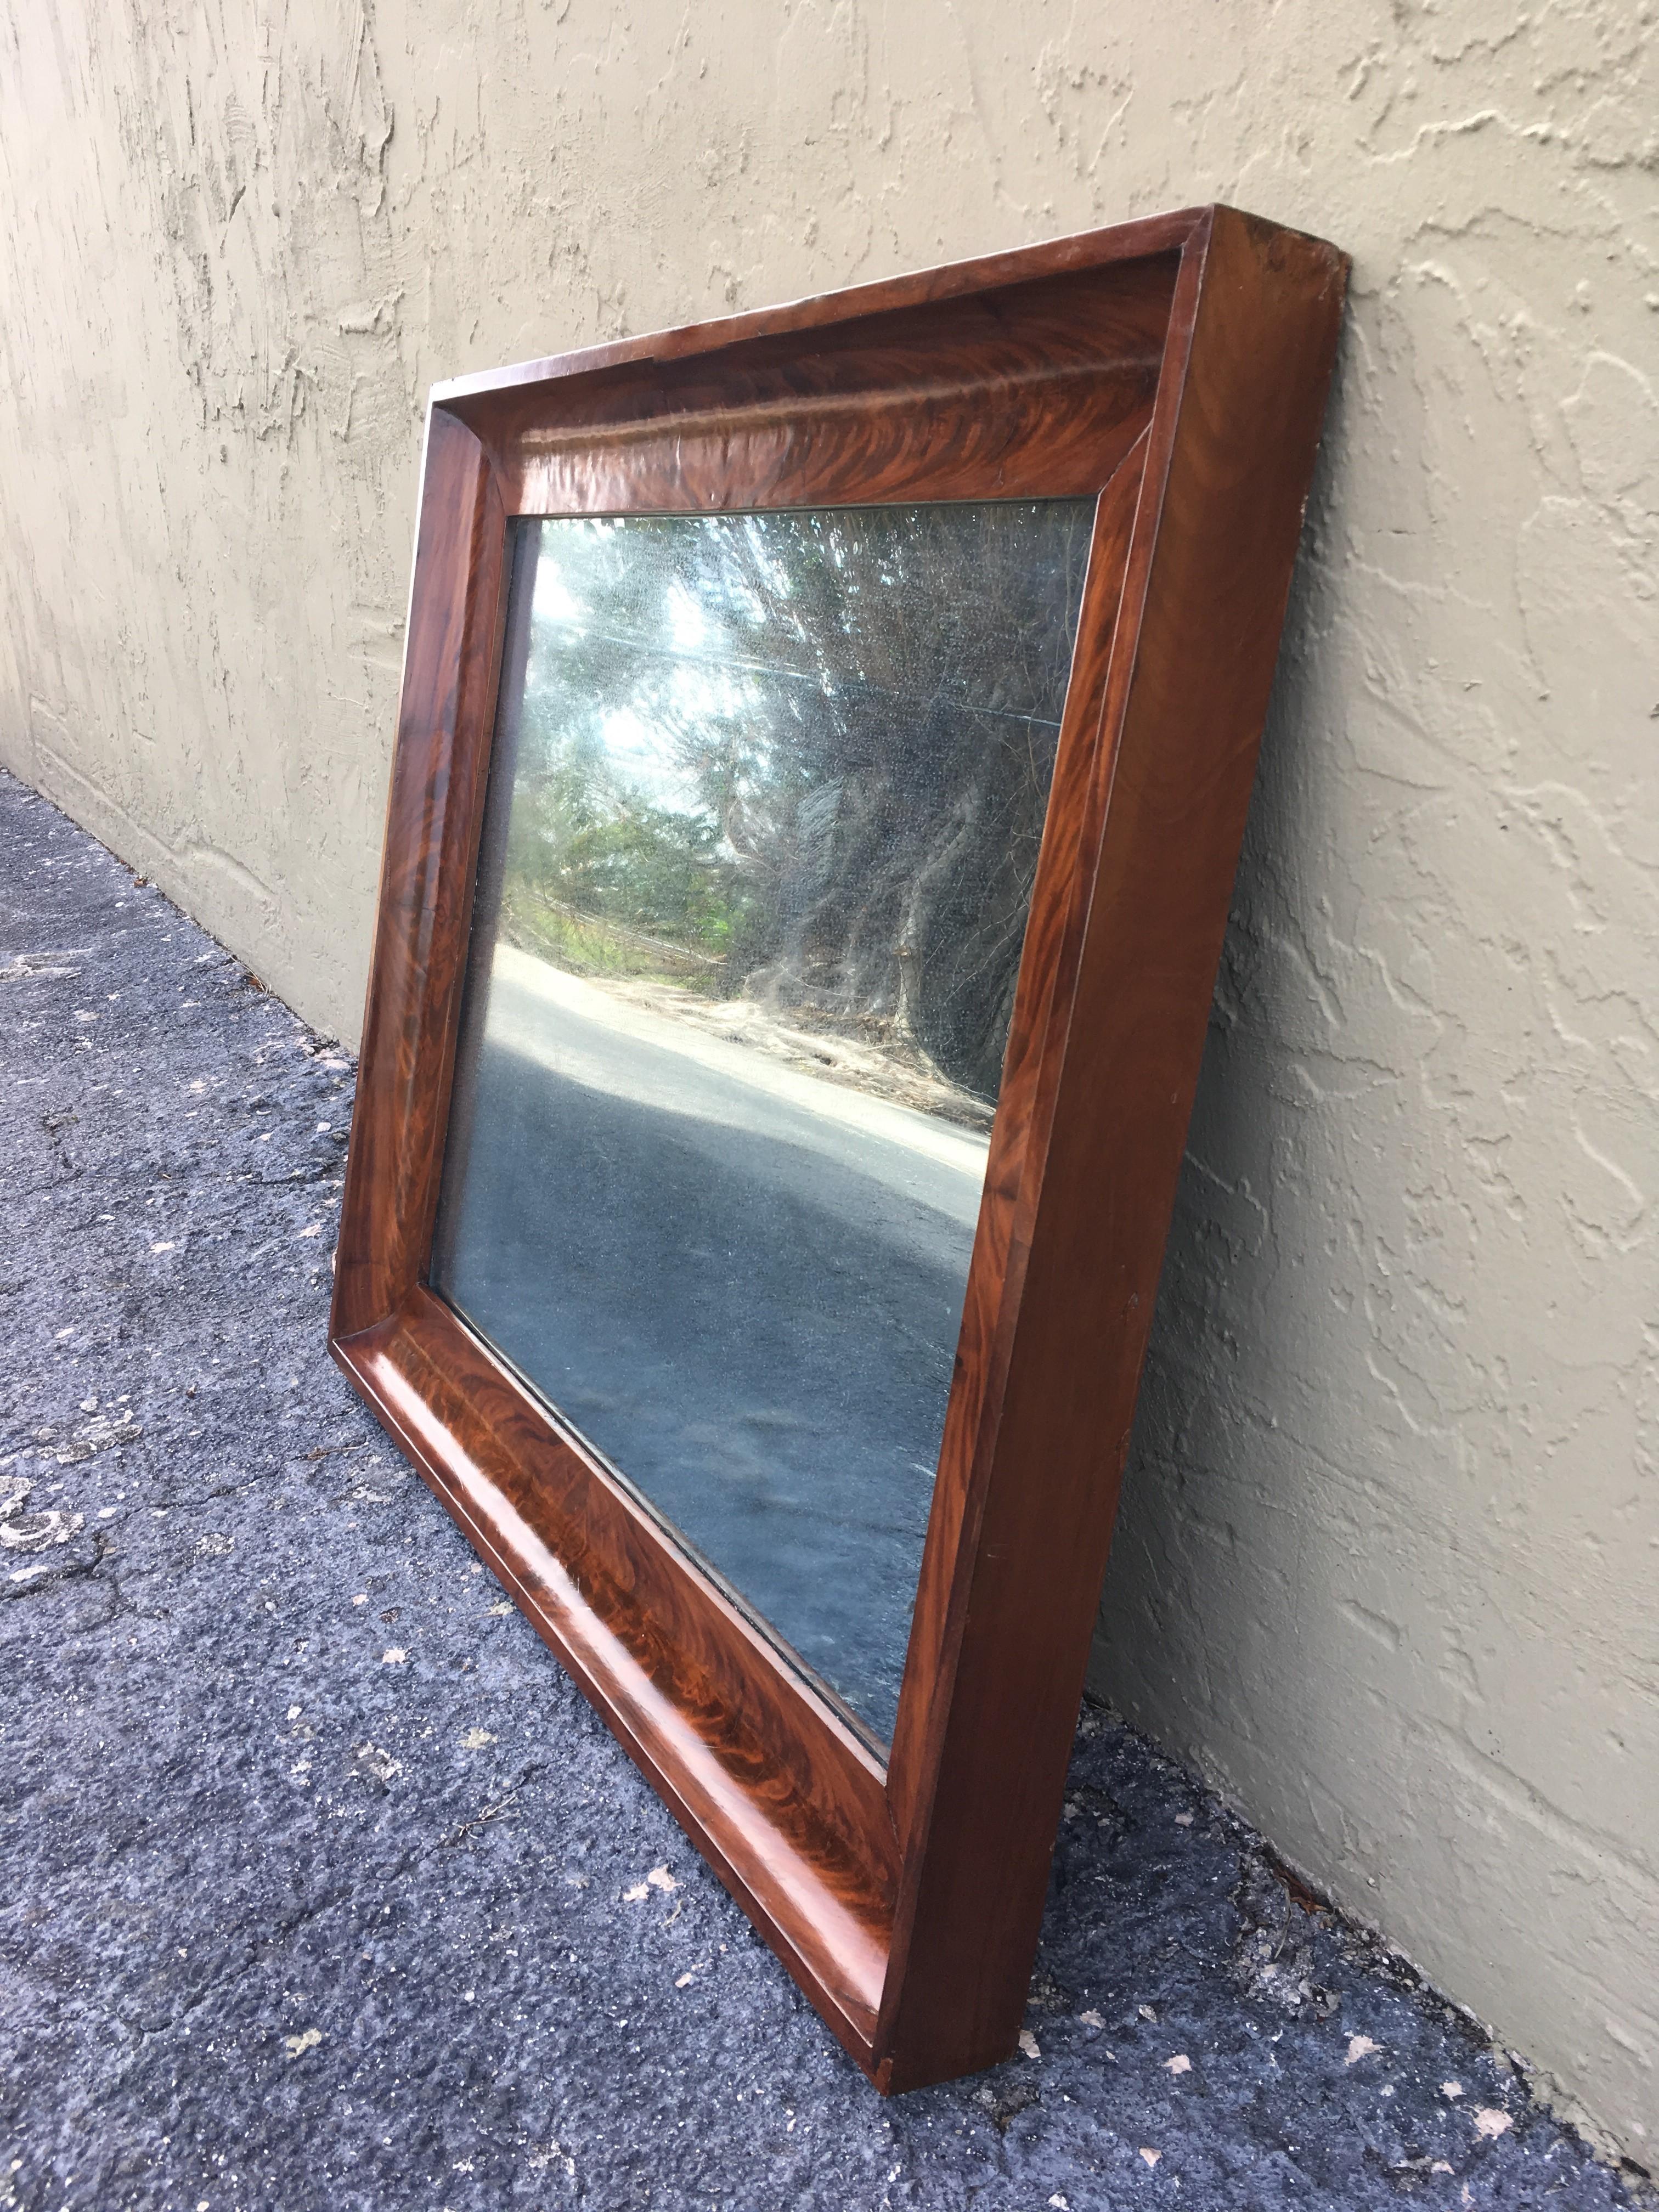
[324, 1887]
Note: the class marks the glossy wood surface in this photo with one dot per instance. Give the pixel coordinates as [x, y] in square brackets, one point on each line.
[1178, 367]
[433, 811]
[645, 1654]
[804, 323]
[1109, 1054]
[1027, 391]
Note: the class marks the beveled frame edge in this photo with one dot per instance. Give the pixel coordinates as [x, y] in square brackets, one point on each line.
[1140, 240]
[1229, 463]
[920, 1971]
[423, 1370]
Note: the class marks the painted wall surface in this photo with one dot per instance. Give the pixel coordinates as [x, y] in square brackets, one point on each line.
[1388, 1567]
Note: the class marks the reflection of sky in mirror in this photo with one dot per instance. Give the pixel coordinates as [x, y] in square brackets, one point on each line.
[700, 686]
[642, 751]
[764, 812]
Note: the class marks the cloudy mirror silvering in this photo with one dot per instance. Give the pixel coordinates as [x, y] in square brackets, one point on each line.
[764, 817]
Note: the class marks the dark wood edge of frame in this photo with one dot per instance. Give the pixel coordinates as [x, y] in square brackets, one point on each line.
[1031, 388]
[478, 1438]
[1143, 240]
[1230, 458]
[907, 1906]
[434, 809]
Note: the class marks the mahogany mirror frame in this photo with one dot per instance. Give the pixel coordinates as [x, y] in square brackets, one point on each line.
[1175, 369]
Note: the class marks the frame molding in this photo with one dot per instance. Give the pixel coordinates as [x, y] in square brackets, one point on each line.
[1177, 368]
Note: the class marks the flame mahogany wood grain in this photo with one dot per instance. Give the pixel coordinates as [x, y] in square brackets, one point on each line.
[1178, 369]
[1027, 390]
[799, 320]
[643, 1653]
[1108, 1053]
[433, 811]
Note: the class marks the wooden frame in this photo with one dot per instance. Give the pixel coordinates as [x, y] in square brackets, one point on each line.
[1177, 368]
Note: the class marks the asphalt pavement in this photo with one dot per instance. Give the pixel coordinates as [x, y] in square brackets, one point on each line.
[324, 1891]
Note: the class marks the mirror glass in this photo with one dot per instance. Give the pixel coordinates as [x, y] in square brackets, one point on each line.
[763, 821]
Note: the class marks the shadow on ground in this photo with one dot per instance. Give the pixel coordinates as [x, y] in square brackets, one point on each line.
[324, 1888]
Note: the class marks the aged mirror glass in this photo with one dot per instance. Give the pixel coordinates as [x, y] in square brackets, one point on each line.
[765, 801]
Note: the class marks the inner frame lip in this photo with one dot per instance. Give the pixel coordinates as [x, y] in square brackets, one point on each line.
[795, 1669]
[797, 1672]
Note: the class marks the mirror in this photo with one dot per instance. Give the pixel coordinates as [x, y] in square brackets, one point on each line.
[765, 802]
[711, 838]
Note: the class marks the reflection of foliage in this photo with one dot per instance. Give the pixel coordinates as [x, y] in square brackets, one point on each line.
[803, 756]
[601, 878]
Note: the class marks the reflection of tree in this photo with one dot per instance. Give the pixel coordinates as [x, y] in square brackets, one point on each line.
[615, 881]
[801, 757]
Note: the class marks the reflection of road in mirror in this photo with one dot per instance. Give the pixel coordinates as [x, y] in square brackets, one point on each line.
[741, 1282]
[765, 803]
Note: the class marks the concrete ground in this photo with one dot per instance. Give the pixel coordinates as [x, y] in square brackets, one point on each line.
[322, 1886]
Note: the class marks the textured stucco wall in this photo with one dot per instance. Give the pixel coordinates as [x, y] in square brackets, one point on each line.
[1388, 1566]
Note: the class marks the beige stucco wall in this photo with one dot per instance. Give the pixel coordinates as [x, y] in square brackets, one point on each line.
[1389, 1568]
